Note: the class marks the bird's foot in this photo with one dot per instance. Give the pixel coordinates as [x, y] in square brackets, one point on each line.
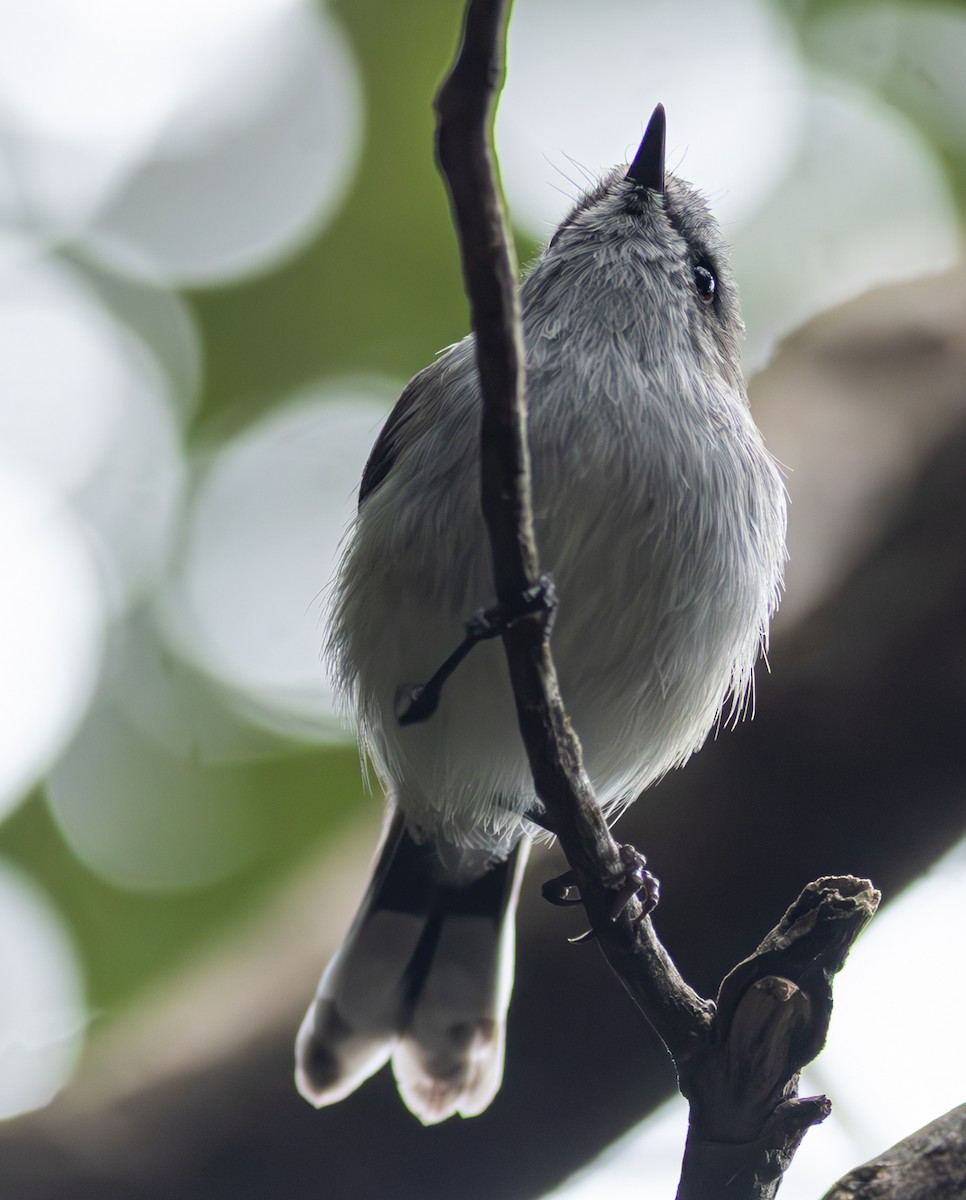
[416, 702]
[638, 882]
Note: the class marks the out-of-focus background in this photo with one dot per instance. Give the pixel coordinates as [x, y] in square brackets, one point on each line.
[223, 250]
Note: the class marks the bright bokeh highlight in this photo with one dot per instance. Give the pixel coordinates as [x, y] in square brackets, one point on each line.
[51, 630]
[246, 601]
[864, 203]
[189, 143]
[133, 795]
[579, 92]
[87, 408]
[42, 1010]
[822, 189]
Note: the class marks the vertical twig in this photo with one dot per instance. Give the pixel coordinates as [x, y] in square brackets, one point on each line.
[465, 107]
[738, 1064]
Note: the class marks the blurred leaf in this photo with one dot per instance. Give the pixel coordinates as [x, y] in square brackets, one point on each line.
[908, 54]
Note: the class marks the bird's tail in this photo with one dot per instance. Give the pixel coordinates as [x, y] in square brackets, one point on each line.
[424, 978]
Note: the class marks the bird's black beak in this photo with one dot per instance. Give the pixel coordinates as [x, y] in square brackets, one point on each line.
[647, 169]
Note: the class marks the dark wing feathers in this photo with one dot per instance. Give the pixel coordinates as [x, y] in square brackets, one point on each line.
[390, 439]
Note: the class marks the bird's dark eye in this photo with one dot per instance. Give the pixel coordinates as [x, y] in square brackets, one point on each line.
[705, 283]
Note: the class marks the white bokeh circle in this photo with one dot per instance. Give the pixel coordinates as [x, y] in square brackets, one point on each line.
[65, 66]
[582, 81]
[63, 384]
[864, 204]
[86, 407]
[42, 1008]
[247, 598]
[52, 614]
[86, 90]
[252, 163]
[188, 143]
[913, 54]
[133, 795]
[133, 504]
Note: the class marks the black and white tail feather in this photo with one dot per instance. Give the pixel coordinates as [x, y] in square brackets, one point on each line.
[423, 979]
[661, 516]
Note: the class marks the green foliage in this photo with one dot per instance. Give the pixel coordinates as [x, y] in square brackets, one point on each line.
[127, 938]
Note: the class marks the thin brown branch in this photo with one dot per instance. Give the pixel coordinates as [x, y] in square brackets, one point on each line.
[737, 1064]
[465, 107]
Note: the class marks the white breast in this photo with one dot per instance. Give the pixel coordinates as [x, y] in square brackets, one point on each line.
[663, 528]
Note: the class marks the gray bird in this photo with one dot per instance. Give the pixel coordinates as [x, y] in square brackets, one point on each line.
[660, 515]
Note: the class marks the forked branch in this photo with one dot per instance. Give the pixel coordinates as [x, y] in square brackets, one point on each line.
[738, 1060]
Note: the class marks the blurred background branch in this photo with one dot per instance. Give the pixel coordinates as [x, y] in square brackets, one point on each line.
[930, 1164]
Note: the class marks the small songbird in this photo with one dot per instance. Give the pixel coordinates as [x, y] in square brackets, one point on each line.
[661, 517]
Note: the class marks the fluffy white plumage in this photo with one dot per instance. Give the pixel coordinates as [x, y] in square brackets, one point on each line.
[661, 517]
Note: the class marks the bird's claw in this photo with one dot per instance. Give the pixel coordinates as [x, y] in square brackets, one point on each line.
[638, 882]
[561, 890]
